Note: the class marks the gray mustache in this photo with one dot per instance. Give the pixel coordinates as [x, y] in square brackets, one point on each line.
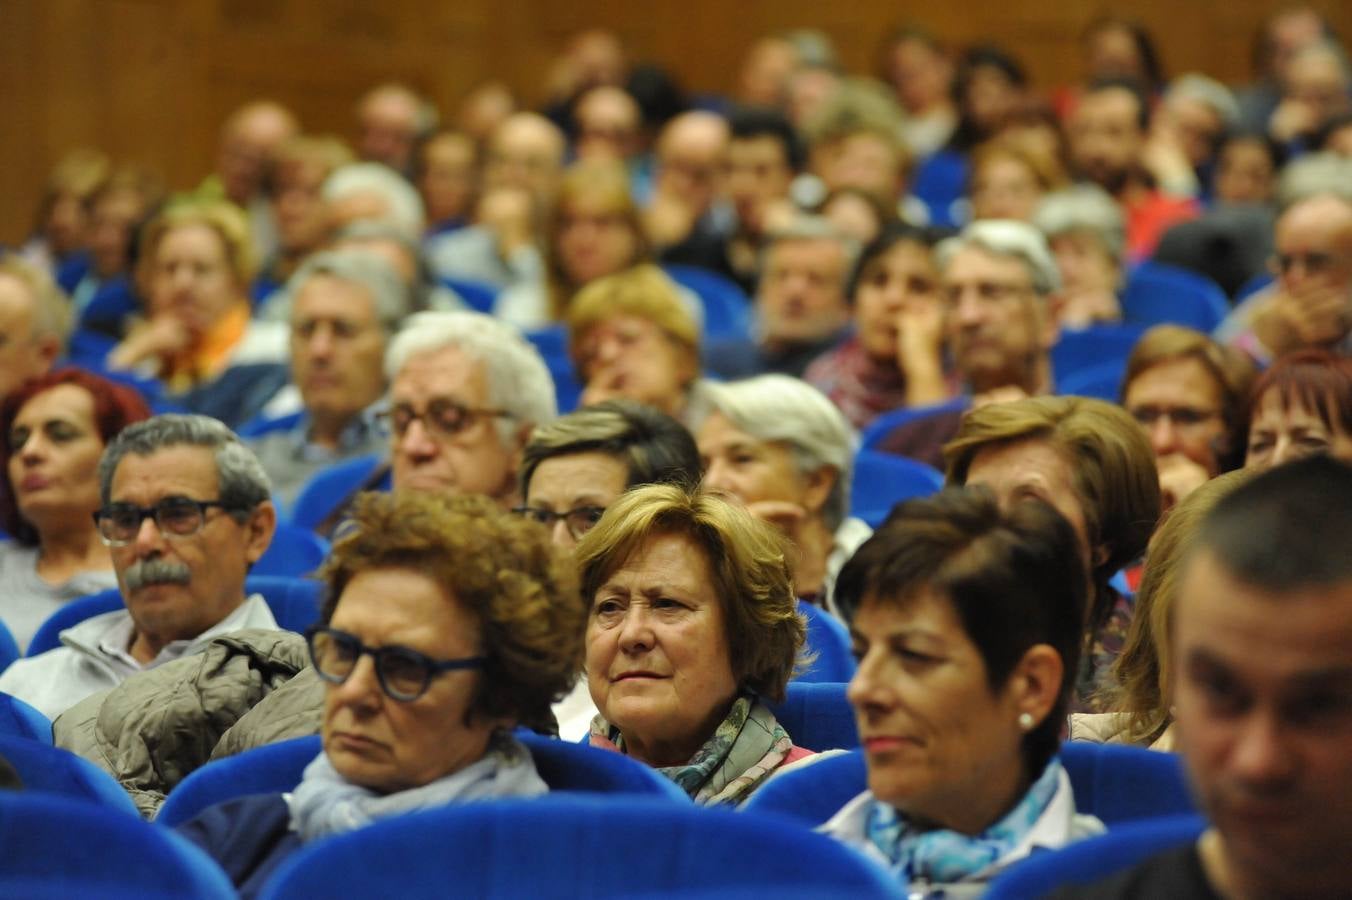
[155, 571]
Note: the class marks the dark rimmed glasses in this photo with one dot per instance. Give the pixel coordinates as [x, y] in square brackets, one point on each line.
[579, 520]
[442, 416]
[404, 674]
[178, 517]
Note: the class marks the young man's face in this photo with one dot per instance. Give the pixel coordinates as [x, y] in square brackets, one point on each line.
[1262, 695]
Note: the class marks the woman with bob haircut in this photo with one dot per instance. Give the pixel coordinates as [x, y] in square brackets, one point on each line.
[633, 336]
[1301, 406]
[53, 430]
[965, 619]
[779, 446]
[1093, 464]
[1190, 394]
[1137, 696]
[693, 625]
[448, 623]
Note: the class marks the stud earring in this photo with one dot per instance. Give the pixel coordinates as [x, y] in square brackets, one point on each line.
[1026, 721]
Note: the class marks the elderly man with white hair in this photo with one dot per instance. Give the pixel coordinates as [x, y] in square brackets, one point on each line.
[1087, 234]
[781, 447]
[999, 281]
[373, 192]
[465, 392]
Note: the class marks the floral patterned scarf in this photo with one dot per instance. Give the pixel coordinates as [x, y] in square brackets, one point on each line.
[748, 745]
[941, 856]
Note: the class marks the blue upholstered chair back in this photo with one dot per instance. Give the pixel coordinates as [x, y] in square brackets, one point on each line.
[1094, 859]
[1157, 293]
[57, 848]
[818, 716]
[9, 648]
[330, 487]
[882, 480]
[727, 310]
[584, 847]
[1114, 782]
[830, 642]
[564, 766]
[51, 770]
[19, 720]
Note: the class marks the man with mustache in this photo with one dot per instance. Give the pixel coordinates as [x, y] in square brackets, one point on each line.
[1261, 651]
[185, 513]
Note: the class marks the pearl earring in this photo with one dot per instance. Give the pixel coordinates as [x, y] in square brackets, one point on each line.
[1026, 721]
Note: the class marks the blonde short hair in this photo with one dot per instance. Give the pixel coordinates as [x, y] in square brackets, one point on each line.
[747, 560]
[221, 216]
[644, 292]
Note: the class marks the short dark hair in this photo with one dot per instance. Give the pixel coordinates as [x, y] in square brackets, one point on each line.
[1016, 579]
[754, 121]
[655, 448]
[1286, 529]
[892, 234]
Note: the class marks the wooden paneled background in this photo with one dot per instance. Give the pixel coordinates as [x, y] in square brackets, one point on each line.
[150, 80]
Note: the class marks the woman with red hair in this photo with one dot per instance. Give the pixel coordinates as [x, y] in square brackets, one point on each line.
[52, 432]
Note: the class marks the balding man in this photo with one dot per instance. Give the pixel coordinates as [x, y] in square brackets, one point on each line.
[34, 323]
[391, 119]
[1311, 303]
[522, 166]
[249, 138]
[685, 219]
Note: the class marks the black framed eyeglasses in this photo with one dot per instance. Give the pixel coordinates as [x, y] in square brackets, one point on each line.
[119, 523]
[442, 416]
[404, 674]
[580, 519]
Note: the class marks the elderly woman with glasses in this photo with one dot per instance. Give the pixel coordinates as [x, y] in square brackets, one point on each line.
[693, 626]
[450, 622]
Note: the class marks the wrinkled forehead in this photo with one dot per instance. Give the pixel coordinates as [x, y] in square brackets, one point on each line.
[450, 372]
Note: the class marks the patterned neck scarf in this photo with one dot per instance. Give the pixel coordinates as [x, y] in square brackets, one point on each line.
[941, 856]
[748, 745]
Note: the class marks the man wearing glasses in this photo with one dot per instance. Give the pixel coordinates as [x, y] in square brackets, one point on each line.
[996, 320]
[1310, 306]
[185, 512]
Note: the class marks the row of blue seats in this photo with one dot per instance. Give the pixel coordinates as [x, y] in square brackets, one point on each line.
[1128, 788]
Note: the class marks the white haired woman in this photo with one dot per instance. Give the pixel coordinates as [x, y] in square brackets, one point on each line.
[781, 447]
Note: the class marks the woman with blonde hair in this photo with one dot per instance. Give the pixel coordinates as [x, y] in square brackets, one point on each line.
[594, 230]
[633, 335]
[1137, 696]
[197, 263]
[693, 625]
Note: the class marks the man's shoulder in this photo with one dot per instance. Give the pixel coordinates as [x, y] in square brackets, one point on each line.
[1175, 873]
[54, 681]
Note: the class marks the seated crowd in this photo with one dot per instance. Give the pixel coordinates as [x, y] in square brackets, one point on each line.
[453, 446]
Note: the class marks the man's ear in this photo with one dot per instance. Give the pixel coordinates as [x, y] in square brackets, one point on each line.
[1035, 683]
[1050, 327]
[258, 531]
[48, 351]
[819, 483]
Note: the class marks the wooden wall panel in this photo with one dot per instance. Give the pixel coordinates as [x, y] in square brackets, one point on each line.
[150, 80]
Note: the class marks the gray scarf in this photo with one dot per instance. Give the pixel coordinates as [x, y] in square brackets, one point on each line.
[325, 803]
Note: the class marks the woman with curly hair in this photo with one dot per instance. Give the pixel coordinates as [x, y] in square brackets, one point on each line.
[449, 622]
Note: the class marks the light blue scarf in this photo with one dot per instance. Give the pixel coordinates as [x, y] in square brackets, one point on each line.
[326, 803]
[941, 856]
